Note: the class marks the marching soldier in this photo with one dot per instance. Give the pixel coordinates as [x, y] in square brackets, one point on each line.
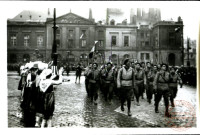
[161, 87]
[86, 77]
[94, 78]
[125, 81]
[108, 75]
[150, 75]
[140, 81]
[174, 78]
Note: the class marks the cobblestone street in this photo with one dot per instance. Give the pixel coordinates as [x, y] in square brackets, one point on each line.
[74, 109]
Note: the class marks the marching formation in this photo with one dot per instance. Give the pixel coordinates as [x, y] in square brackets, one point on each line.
[131, 81]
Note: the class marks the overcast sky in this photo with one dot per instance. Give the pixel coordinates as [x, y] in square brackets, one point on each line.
[189, 11]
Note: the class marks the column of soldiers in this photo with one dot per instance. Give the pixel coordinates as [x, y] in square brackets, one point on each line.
[131, 81]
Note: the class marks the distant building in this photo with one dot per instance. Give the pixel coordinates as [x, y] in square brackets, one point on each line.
[27, 35]
[144, 38]
[190, 55]
[167, 42]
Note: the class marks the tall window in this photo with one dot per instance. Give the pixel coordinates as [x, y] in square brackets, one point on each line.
[13, 39]
[113, 41]
[147, 43]
[71, 39]
[58, 37]
[40, 40]
[71, 43]
[142, 35]
[101, 43]
[126, 41]
[145, 56]
[83, 38]
[142, 43]
[26, 40]
[171, 38]
[83, 42]
[71, 34]
[142, 56]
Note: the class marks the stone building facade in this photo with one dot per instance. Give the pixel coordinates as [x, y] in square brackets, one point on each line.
[30, 37]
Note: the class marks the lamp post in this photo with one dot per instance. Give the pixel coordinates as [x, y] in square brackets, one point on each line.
[54, 47]
[177, 30]
[188, 53]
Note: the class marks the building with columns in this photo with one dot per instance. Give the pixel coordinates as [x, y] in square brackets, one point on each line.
[143, 38]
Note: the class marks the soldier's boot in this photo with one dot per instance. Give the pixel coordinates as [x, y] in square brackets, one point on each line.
[95, 102]
[167, 114]
[44, 122]
[49, 123]
[156, 109]
[37, 121]
[129, 112]
[172, 103]
[122, 107]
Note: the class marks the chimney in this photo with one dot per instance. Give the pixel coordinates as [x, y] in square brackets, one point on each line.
[90, 14]
[138, 13]
[48, 12]
[131, 15]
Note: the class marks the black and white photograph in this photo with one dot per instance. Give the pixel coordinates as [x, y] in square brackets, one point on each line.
[102, 65]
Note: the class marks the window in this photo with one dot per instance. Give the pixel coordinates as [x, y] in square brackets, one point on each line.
[58, 37]
[142, 43]
[13, 40]
[126, 41]
[40, 40]
[70, 43]
[101, 34]
[83, 38]
[101, 43]
[83, 42]
[147, 56]
[142, 35]
[26, 40]
[147, 43]
[171, 38]
[142, 56]
[113, 41]
[83, 34]
[71, 34]
[147, 35]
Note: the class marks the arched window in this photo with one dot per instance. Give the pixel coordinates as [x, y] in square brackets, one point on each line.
[171, 59]
[114, 59]
[13, 58]
[126, 56]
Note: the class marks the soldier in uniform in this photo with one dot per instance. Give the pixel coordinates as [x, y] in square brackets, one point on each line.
[125, 81]
[174, 78]
[150, 75]
[140, 82]
[161, 87]
[86, 77]
[108, 76]
[94, 78]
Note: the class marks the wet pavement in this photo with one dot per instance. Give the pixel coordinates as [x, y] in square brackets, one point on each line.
[74, 109]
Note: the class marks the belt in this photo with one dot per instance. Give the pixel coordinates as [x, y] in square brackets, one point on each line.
[126, 79]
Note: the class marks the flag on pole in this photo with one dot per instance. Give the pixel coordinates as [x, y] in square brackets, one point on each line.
[93, 50]
[81, 36]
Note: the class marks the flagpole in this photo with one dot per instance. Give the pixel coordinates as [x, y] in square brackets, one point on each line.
[54, 47]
